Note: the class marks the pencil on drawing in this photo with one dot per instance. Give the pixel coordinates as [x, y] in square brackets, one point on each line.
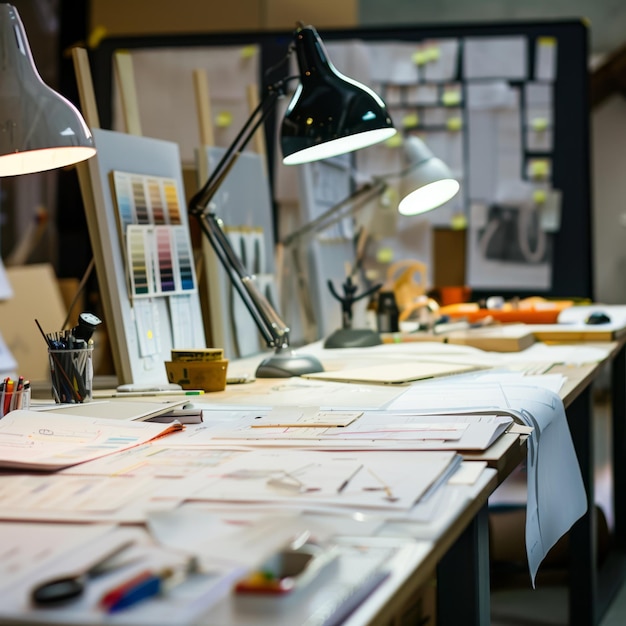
[346, 482]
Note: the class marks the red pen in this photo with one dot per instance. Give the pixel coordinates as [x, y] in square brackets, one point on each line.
[8, 392]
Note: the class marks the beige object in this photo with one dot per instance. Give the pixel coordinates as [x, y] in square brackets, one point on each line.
[36, 295]
[500, 338]
[407, 279]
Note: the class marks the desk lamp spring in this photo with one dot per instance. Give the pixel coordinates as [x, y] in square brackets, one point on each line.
[329, 114]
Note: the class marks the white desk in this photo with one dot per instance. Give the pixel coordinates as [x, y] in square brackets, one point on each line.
[456, 544]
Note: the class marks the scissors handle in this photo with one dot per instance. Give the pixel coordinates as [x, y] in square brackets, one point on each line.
[66, 588]
[58, 590]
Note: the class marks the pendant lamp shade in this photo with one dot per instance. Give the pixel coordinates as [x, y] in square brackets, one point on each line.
[39, 129]
[427, 181]
[329, 114]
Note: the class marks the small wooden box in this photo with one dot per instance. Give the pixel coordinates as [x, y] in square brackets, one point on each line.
[205, 375]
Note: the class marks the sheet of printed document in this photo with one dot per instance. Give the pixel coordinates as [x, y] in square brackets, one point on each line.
[552, 464]
[380, 430]
[305, 417]
[38, 441]
[373, 480]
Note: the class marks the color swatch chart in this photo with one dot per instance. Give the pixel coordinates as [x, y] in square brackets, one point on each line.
[146, 200]
[156, 241]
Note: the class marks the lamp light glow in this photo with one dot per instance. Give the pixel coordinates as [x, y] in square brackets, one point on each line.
[40, 130]
[427, 182]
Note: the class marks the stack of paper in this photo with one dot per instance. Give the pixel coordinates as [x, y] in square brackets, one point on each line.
[38, 441]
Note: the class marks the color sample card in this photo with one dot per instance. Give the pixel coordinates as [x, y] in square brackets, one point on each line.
[154, 235]
[146, 199]
[125, 204]
[156, 201]
[140, 200]
[184, 257]
[172, 203]
[165, 259]
[140, 262]
[159, 261]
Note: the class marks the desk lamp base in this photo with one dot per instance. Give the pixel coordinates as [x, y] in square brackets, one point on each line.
[285, 363]
[352, 338]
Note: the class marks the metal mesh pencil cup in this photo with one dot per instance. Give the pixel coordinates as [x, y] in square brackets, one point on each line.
[71, 373]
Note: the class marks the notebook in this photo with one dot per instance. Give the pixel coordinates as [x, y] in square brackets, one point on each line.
[130, 410]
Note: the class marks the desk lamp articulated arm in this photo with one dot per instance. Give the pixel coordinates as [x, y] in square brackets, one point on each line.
[275, 332]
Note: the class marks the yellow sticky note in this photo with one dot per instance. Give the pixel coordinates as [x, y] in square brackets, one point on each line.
[546, 41]
[432, 53]
[539, 196]
[223, 119]
[419, 57]
[96, 36]
[539, 123]
[454, 123]
[390, 198]
[247, 52]
[451, 97]
[458, 222]
[539, 169]
[395, 141]
[411, 120]
[384, 255]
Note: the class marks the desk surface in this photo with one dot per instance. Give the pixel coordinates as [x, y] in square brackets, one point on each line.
[425, 544]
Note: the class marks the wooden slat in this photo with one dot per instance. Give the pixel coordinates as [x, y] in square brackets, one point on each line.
[126, 83]
[86, 93]
[203, 106]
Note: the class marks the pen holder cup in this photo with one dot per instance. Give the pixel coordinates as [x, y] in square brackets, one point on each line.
[12, 400]
[71, 373]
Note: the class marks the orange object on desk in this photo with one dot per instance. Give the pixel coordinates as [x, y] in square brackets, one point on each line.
[527, 311]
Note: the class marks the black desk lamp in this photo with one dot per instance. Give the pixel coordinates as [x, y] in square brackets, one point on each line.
[329, 114]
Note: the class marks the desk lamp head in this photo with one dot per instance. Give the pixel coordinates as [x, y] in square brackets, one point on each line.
[329, 114]
[39, 129]
[427, 180]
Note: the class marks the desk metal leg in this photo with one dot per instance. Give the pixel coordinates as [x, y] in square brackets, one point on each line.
[618, 407]
[583, 582]
[463, 585]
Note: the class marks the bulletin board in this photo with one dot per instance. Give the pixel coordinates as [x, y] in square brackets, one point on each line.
[505, 104]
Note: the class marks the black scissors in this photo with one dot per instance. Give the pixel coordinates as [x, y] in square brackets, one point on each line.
[66, 588]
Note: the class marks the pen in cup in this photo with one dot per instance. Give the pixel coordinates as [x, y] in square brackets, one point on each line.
[70, 356]
[14, 394]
